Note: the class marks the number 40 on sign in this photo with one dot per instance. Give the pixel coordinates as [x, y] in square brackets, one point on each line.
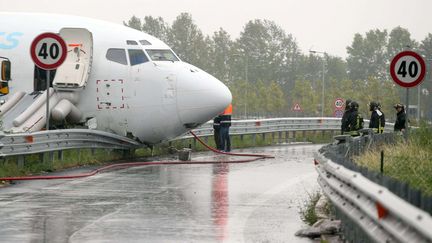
[408, 69]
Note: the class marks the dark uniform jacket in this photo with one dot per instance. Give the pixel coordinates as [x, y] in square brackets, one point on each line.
[400, 121]
[216, 123]
[355, 121]
[345, 121]
[225, 120]
[377, 120]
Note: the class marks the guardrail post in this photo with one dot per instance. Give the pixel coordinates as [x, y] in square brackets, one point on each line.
[254, 139]
[60, 155]
[286, 136]
[304, 135]
[280, 137]
[263, 137]
[128, 153]
[79, 154]
[21, 161]
[294, 135]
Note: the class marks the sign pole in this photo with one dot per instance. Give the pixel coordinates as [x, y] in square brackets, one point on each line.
[408, 70]
[48, 51]
[47, 99]
[406, 115]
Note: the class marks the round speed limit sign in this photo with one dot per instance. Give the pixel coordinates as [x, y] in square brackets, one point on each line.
[408, 69]
[48, 51]
[339, 103]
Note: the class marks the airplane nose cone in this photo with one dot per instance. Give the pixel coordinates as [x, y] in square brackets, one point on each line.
[200, 96]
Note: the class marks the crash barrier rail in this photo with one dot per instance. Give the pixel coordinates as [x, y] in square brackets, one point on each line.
[55, 140]
[342, 152]
[339, 154]
[381, 215]
[256, 126]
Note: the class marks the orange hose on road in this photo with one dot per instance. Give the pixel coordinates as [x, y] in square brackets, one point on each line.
[133, 164]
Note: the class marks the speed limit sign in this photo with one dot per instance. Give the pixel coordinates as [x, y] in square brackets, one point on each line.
[408, 69]
[339, 103]
[48, 51]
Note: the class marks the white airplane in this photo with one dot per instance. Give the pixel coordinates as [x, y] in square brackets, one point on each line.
[114, 79]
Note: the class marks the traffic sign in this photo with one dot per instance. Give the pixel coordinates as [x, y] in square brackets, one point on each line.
[297, 107]
[48, 51]
[338, 113]
[339, 103]
[407, 69]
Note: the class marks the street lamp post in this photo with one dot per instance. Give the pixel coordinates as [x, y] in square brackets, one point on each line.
[323, 80]
[246, 79]
[247, 84]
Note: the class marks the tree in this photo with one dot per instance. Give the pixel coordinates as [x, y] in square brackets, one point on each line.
[134, 23]
[425, 49]
[156, 27]
[267, 51]
[367, 56]
[221, 55]
[305, 95]
[400, 40]
[188, 41]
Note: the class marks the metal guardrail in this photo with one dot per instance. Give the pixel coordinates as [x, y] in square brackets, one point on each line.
[255, 126]
[54, 140]
[382, 215]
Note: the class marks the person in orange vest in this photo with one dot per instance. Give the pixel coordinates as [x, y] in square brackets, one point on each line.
[225, 123]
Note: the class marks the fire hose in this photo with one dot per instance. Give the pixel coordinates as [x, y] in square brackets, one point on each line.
[134, 164]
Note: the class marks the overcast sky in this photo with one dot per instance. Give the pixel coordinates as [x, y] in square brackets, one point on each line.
[323, 25]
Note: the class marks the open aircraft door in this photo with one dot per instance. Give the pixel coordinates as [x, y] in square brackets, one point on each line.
[75, 71]
[5, 70]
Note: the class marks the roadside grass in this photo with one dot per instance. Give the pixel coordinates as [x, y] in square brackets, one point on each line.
[307, 210]
[410, 162]
[37, 163]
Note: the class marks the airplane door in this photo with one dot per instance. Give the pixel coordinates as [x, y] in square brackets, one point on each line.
[75, 71]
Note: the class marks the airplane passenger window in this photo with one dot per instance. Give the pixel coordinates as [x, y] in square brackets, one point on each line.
[145, 42]
[117, 55]
[137, 56]
[131, 42]
[162, 55]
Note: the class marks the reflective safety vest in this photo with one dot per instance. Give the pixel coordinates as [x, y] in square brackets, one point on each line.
[228, 110]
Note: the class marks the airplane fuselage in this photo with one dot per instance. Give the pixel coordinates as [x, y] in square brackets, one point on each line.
[152, 97]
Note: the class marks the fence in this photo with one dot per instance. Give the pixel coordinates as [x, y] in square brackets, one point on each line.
[360, 222]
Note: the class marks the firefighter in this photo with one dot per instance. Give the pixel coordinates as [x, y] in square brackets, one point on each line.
[225, 124]
[355, 120]
[399, 125]
[216, 131]
[377, 120]
[344, 121]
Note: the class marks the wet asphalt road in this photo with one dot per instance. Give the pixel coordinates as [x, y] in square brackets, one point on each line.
[252, 202]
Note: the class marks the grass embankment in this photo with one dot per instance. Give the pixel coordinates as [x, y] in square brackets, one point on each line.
[410, 162]
[37, 164]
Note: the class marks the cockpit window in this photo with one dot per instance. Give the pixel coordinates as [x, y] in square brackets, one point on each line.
[145, 42]
[117, 55]
[162, 55]
[137, 56]
[132, 42]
